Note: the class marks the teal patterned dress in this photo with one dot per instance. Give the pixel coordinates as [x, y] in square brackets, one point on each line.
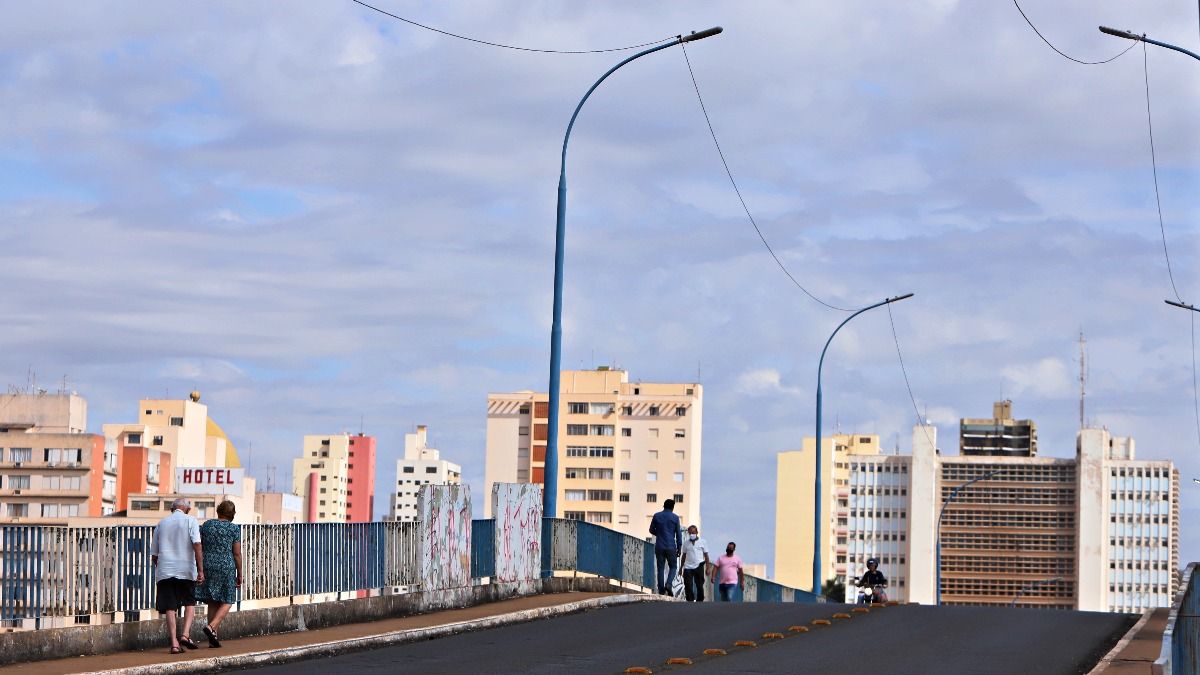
[220, 574]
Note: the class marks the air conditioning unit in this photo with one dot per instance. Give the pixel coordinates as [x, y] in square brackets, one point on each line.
[17, 464]
[51, 463]
[16, 492]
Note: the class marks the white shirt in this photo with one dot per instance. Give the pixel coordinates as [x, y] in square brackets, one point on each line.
[693, 553]
[173, 539]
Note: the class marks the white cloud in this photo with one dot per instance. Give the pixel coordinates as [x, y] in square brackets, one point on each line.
[1045, 378]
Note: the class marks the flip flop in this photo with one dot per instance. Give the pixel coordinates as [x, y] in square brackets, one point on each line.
[176, 650]
[187, 642]
[209, 633]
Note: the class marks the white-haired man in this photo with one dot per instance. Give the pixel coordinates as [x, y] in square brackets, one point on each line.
[178, 566]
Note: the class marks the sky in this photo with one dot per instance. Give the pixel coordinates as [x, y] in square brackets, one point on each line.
[325, 220]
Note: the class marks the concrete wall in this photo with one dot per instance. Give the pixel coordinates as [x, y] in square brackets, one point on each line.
[518, 513]
[924, 502]
[445, 548]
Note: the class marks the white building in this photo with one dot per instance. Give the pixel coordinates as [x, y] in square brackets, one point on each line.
[421, 465]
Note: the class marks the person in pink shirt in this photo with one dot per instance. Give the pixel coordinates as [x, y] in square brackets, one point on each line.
[727, 573]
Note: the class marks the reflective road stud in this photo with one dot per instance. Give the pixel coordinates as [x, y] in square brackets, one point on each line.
[745, 643]
[714, 652]
[680, 661]
[821, 622]
[798, 629]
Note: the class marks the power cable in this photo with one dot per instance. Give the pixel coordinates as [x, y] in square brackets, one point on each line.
[907, 385]
[1195, 389]
[1154, 169]
[738, 191]
[499, 44]
[1060, 52]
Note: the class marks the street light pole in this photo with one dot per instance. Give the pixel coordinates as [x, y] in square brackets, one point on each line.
[1030, 587]
[938, 534]
[817, 527]
[550, 472]
[1130, 35]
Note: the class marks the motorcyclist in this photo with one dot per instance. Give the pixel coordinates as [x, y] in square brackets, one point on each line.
[873, 577]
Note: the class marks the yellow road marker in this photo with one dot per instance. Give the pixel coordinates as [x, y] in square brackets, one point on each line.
[638, 669]
[679, 661]
[892, 603]
[714, 652]
[772, 636]
[841, 615]
[745, 643]
[821, 622]
[798, 629]
[860, 610]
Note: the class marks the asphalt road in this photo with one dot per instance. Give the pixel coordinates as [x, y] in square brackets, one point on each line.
[905, 639]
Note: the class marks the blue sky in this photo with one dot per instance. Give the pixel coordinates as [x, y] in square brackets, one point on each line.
[320, 216]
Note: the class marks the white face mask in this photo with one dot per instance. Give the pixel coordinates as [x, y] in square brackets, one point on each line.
[693, 537]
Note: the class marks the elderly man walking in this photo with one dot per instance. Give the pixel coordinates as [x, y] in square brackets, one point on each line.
[178, 559]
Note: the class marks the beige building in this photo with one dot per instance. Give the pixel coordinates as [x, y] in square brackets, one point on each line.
[50, 469]
[794, 484]
[204, 503]
[1000, 436]
[279, 508]
[335, 476]
[421, 465]
[624, 447]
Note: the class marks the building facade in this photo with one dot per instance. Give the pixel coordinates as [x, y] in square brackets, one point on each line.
[335, 476]
[50, 468]
[624, 448]
[1000, 436]
[795, 481]
[1097, 532]
[421, 465]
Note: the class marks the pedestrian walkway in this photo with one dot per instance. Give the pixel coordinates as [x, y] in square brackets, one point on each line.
[301, 644]
[1136, 657]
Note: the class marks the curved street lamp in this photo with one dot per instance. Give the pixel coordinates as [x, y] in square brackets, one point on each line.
[1130, 35]
[817, 527]
[550, 472]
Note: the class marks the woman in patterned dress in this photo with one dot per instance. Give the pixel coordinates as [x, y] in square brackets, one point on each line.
[222, 542]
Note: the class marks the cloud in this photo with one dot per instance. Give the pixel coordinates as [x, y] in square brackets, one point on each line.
[763, 382]
[1047, 378]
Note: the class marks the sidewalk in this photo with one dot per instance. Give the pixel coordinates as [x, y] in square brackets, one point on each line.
[1137, 656]
[310, 644]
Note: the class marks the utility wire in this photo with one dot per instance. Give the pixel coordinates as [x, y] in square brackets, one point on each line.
[904, 371]
[499, 44]
[1195, 389]
[1154, 168]
[738, 191]
[1060, 52]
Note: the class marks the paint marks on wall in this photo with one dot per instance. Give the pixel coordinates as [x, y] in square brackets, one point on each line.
[518, 511]
[445, 536]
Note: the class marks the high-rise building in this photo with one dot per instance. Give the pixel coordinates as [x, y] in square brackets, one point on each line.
[1001, 436]
[795, 481]
[50, 468]
[1099, 531]
[421, 465]
[625, 447]
[335, 476]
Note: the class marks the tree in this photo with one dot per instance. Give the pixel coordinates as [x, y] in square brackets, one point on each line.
[834, 589]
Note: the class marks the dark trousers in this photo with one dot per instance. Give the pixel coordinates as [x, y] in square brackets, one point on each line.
[695, 577]
[668, 561]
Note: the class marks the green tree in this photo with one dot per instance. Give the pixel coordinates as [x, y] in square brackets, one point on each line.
[834, 589]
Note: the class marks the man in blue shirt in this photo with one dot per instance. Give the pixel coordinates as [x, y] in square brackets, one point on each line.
[668, 542]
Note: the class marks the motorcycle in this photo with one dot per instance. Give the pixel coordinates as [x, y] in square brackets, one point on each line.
[872, 595]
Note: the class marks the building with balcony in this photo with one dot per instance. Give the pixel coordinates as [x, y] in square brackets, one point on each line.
[421, 465]
[335, 476]
[1000, 436]
[624, 447]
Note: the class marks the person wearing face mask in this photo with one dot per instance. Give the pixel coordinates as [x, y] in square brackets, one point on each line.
[695, 561]
[728, 573]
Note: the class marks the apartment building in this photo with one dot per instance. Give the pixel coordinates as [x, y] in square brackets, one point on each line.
[624, 447]
[1000, 436]
[50, 468]
[420, 465]
[335, 475]
[279, 508]
[1096, 532]
[795, 479]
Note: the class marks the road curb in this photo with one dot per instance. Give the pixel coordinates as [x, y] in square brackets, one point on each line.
[399, 637]
[1104, 663]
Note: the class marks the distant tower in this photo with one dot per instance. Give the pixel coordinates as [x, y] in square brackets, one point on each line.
[1082, 376]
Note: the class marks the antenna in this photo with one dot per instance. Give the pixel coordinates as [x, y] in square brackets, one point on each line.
[1082, 376]
[360, 425]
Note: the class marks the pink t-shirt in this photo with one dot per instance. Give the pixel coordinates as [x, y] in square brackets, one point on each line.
[727, 569]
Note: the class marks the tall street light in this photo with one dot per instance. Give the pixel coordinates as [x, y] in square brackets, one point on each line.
[817, 528]
[953, 495]
[1130, 35]
[550, 473]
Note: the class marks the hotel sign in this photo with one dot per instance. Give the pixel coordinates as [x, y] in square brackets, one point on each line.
[206, 481]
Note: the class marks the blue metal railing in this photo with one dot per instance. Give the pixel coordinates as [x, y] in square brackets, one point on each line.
[483, 548]
[1181, 639]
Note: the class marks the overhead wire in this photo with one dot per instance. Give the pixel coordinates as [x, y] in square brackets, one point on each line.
[921, 421]
[508, 46]
[1061, 52]
[741, 199]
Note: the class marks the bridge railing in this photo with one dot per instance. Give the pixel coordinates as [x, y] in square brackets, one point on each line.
[1181, 639]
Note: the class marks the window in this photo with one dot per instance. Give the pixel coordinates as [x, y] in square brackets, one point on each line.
[600, 408]
[522, 431]
[637, 391]
[176, 421]
[577, 429]
[679, 454]
[603, 430]
[677, 476]
[18, 482]
[653, 454]
[600, 452]
[624, 475]
[575, 495]
[431, 469]
[678, 497]
[626, 453]
[574, 472]
[627, 410]
[143, 505]
[410, 469]
[574, 515]
[133, 439]
[149, 412]
[626, 432]
[680, 410]
[577, 408]
[52, 455]
[599, 495]
[624, 496]
[691, 392]
[21, 454]
[577, 451]
[525, 409]
[680, 433]
[654, 411]
[600, 474]
[18, 510]
[599, 517]
[653, 433]
[623, 519]
[651, 498]
[158, 440]
[651, 476]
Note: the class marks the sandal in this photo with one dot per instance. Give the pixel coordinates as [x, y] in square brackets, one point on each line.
[187, 642]
[211, 634]
[176, 650]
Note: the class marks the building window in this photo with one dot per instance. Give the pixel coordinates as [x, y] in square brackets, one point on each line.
[599, 517]
[600, 474]
[133, 439]
[623, 519]
[602, 430]
[522, 431]
[575, 495]
[677, 476]
[599, 495]
[651, 498]
[651, 476]
[574, 472]
[624, 475]
[690, 391]
[143, 505]
[679, 454]
[654, 411]
[680, 410]
[577, 408]
[600, 452]
[176, 421]
[577, 451]
[600, 408]
[158, 440]
[18, 482]
[626, 432]
[574, 515]
[653, 454]
[678, 497]
[577, 430]
[624, 496]
[627, 410]
[431, 469]
[680, 433]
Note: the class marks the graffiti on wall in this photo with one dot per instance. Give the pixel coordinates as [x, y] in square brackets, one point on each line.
[518, 511]
[445, 536]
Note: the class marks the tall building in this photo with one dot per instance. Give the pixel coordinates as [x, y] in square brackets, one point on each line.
[1099, 531]
[795, 480]
[624, 447]
[50, 468]
[421, 465]
[336, 478]
[1001, 436]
